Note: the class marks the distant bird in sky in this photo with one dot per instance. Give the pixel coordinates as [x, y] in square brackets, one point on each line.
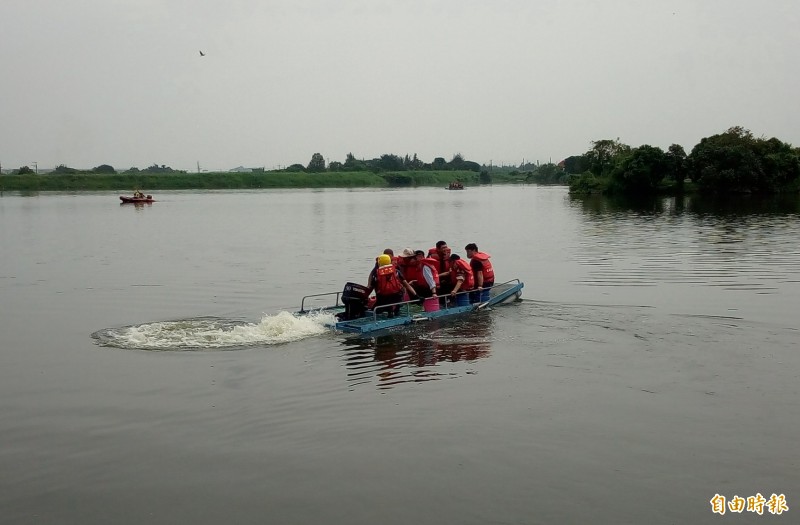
[202, 54]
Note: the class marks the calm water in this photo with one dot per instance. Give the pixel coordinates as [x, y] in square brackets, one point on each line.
[151, 372]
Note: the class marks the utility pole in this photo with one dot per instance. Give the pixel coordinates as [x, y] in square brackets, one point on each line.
[36, 167]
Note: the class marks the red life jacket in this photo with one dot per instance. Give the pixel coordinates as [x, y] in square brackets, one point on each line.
[433, 264]
[442, 266]
[488, 271]
[409, 268]
[386, 280]
[461, 266]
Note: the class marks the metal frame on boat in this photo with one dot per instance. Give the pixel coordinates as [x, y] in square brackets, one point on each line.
[410, 311]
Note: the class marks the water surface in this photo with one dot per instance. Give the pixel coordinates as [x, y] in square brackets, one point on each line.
[152, 371]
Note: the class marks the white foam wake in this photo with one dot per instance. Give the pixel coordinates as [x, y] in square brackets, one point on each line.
[211, 333]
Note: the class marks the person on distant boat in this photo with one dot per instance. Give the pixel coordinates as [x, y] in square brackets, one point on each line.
[464, 279]
[483, 272]
[389, 284]
[138, 195]
[428, 283]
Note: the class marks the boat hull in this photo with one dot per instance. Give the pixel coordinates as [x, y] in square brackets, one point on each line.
[375, 321]
[134, 200]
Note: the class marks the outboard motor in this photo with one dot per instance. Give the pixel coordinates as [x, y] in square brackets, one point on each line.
[354, 297]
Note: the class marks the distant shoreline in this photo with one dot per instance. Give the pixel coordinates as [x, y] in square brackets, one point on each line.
[149, 182]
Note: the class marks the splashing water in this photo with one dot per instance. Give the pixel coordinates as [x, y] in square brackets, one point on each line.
[212, 333]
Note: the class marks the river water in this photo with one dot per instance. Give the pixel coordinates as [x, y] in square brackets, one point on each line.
[151, 370]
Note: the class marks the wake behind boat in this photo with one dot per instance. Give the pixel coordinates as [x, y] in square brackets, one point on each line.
[349, 307]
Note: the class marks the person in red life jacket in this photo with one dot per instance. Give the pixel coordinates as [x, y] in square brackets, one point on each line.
[464, 280]
[441, 253]
[428, 283]
[483, 272]
[407, 264]
[389, 285]
[390, 253]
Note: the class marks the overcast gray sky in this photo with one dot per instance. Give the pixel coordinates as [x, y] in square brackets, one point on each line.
[122, 82]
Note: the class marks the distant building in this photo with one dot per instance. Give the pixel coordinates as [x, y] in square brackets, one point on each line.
[241, 169]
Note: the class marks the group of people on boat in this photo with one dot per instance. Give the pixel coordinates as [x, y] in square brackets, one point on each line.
[139, 195]
[456, 185]
[437, 273]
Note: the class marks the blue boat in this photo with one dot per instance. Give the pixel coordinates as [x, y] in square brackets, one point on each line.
[410, 312]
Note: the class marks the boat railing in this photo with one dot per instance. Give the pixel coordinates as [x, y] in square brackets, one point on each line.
[336, 303]
[405, 306]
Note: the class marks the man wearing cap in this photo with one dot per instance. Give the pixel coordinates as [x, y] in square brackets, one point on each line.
[407, 263]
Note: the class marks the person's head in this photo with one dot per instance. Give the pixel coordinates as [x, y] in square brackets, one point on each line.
[454, 257]
[471, 249]
[419, 254]
[389, 252]
[384, 260]
[441, 246]
[407, 253]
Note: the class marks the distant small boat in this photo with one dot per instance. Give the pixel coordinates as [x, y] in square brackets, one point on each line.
[133, 200]
[455, 185]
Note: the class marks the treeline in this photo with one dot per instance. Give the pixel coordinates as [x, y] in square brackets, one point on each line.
[150, 181]
[730, 162]
[385, 163]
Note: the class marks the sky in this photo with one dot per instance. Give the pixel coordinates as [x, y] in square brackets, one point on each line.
[122, 82]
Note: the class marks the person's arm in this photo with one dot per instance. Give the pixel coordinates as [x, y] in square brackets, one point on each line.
[459, 282]
[406, 284]
[477, 271]
[427, 274]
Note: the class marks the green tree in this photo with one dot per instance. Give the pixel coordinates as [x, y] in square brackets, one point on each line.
[547, 173]
[389, 162]
[604, 155]
[317, 163]
[728, 162]
[676, 165]
[353, 164]
[576, 164]
[104, 168]
[61, 169]
[25, 170]
[457, 162]
[641, 171]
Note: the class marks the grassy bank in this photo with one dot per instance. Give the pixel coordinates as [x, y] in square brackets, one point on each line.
[126, 182]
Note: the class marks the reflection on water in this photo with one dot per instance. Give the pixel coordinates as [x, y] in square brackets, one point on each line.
[736, 243]
[419, 354]
[717, 205]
